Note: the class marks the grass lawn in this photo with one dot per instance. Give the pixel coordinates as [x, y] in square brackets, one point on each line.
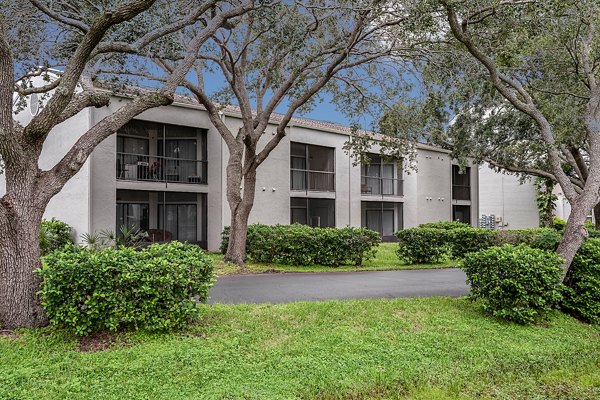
[386, 259]
[434, 348]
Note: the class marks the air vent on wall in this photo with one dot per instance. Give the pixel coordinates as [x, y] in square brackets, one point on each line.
[34, 104]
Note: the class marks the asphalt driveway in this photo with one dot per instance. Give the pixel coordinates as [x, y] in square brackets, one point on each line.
[286, 288]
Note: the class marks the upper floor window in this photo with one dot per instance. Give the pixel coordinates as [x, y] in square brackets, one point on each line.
[381, 177]
[461, 183]
[312, 168]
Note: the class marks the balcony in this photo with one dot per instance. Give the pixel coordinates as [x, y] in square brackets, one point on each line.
[312, 181]
[138, 167]
[376, 186]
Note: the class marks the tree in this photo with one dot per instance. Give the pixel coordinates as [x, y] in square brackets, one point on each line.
[515, 83]
[281, 58]
[90, 35]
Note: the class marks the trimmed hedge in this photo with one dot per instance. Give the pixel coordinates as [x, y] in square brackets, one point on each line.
[54, 235]
[446, 225]
[538, 238]
[516, 283]
[423, 245]
[582, 285]
[304, 245]
[470, 240]
[156, 289]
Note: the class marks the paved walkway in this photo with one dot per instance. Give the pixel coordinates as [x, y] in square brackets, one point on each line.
[285, 288]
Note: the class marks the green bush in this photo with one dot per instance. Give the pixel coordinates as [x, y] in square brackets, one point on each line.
[538, 238]
[469, 240]
[516, 283]
[156, 289]
[447, 225]
[582, 285]
[423, 245]
[54, 234]
[304, 245]
[558, 224]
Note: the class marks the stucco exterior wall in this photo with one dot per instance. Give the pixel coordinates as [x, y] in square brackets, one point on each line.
[434, 190]
[72, 204]
[504, 196]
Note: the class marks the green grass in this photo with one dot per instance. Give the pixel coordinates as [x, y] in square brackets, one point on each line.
[435, 348]
[385, 260]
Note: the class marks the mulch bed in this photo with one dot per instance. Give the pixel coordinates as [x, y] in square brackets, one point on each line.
[100, 341]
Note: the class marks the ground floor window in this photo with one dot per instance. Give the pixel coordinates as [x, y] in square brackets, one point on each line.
[462, 214]
[383, 217]
[181, 220]
[313, 212]
[133, 216]
[164, 215]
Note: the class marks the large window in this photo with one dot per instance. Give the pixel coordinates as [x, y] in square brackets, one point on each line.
[382, 217]
[381, 177]
[462, 214]
[312, 168]
[461, 183]
[313, 212]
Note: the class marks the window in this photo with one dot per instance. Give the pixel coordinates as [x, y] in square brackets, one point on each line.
[462, 214]
[461, 183]
[312, 168]
[382, 178]
[313, 212]
[382, 217]
[178, 215]
[133, 216]
[181, 220]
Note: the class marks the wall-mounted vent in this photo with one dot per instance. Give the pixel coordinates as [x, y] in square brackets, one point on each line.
[34, 104]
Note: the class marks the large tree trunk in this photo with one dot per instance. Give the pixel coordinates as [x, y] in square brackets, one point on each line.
[574, 234]
[241, 189]
[20, 218]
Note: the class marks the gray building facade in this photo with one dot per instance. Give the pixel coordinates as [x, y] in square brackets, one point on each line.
[164, 172]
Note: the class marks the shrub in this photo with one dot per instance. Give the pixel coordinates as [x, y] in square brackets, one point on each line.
[558, 224]
[54, 234]
[469, 240]
[582, 285]
[447, 225]
[516, 283]
[423, 245]
[156, 289]
[304, 245]
[538, 238]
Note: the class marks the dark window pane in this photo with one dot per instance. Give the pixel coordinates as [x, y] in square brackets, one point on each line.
[462, 214]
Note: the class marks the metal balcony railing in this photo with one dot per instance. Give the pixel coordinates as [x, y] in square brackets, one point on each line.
[138, 167]
[312, 181]
[376, 186]
[461, 192]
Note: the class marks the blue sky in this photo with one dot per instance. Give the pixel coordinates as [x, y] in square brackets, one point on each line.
[323, 111]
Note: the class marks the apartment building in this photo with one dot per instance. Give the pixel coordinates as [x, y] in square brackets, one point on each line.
[164, 172]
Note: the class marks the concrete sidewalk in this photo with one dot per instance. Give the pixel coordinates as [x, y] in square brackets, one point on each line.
[286, 288]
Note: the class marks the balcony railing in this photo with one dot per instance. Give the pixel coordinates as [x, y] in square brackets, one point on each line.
[461, 192]
[312, 181]
[137, 167]
[376, 186]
